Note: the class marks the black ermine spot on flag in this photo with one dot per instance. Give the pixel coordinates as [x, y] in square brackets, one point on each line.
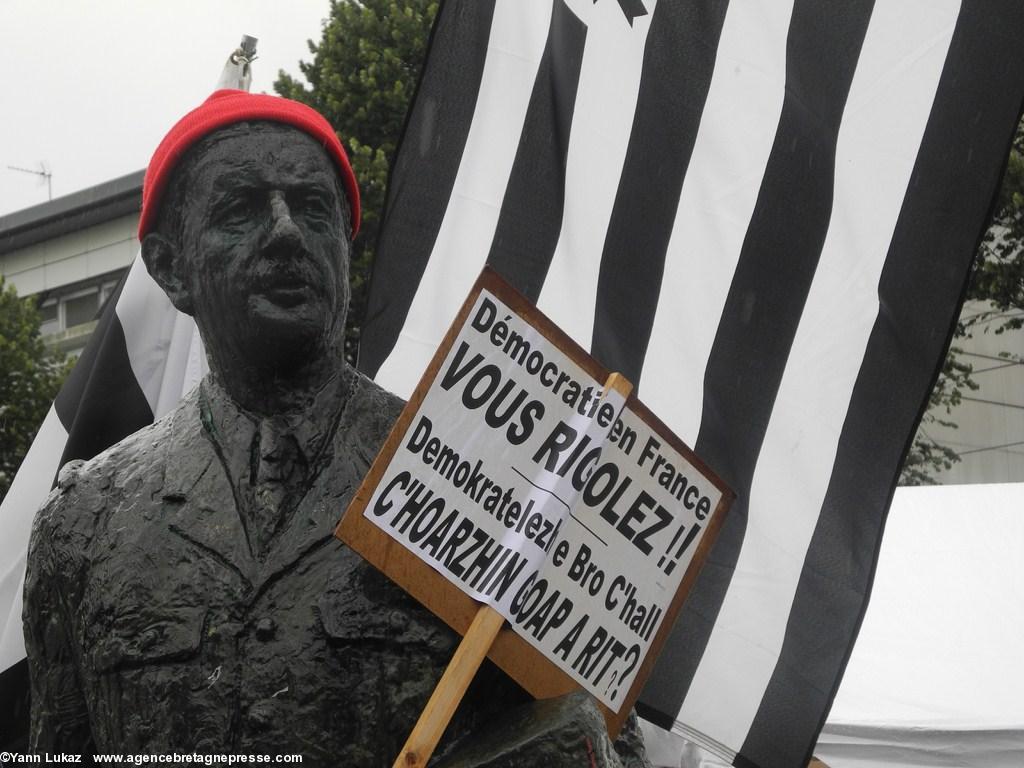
[631, 9]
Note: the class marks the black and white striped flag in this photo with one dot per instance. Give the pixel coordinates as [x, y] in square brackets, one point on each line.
[142, 357]
[763, 213]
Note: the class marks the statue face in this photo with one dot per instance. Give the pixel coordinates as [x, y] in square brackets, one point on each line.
[263, 246]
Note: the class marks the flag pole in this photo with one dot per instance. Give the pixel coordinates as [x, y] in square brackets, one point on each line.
[237, 72]
[468, 657]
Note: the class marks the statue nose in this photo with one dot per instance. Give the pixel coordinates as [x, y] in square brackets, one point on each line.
[281, 224]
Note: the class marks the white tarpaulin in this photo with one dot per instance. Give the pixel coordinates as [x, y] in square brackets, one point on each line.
[937, 674]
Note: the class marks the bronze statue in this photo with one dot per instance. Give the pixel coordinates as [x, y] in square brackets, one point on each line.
[184, 591]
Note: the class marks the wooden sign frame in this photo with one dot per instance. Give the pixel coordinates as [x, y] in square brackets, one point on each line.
[513, 654]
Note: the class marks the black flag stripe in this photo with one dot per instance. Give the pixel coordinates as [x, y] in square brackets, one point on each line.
[531, 212]
[764, 305]
[14, 707]
[678, 63]
[970, 128]
[83, 403]
[435, 136]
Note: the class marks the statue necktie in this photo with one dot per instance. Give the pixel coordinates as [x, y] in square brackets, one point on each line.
[279, 479]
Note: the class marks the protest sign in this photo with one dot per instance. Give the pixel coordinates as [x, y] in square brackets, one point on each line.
[517, 478]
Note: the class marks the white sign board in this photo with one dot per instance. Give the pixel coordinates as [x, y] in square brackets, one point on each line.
[529, 487]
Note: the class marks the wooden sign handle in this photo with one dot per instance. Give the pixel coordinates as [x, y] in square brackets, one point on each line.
[467, 660]
[450, 689]
[619, 383]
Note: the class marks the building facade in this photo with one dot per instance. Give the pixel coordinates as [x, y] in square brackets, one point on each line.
[70, 254]
[989, 436]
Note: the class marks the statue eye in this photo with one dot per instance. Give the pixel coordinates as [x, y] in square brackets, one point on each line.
[312, 206]
[241, 206]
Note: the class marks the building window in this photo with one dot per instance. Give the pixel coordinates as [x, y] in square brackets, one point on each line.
[81, 307]
[106, 290]
[67, 310]
[49, 314]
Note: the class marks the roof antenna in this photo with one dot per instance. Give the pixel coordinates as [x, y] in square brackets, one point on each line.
[45, 172]
[237, 72]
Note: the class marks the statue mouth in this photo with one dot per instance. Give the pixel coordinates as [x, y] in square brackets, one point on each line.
[288, 289]
[289, 295]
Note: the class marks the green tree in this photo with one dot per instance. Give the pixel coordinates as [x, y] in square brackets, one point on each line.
[362, 77]
[927, 456]
[30, 376]
[999, 272]
[997, 281]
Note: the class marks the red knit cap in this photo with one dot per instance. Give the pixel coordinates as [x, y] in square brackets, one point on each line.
[225, 107]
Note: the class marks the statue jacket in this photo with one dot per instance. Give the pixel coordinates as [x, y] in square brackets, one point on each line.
[154, 624]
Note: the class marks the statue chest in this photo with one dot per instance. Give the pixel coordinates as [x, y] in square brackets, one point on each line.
[186, 645]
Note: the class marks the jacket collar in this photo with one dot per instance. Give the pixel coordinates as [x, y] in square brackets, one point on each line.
[203, 498]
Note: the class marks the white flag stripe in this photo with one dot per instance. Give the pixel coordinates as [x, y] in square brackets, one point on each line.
[31, 485]
[603, 116]
[734, 141]
[185, 363]
[886, 113]
[162, 343]
[519, 31]
[196, 366]
[147, 320]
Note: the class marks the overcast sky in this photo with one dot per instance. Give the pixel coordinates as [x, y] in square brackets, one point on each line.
[90, 88]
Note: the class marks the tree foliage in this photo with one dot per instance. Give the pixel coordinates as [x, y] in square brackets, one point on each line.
[362, 77]
[999, 275]
[30, 376]
[997, 285]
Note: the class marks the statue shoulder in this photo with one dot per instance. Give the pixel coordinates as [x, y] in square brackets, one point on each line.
[85, 489]
[373, 408]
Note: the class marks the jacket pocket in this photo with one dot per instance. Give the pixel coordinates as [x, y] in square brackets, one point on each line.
[362, 605]
[145, 637]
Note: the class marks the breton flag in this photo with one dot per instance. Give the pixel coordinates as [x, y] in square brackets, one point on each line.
[142, 357]
[763, 214]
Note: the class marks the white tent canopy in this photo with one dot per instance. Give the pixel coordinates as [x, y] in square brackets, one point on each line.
[937, 675]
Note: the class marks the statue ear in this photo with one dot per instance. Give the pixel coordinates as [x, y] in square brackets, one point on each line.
[163, 261]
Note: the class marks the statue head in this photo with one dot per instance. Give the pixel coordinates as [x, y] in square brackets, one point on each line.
[250, 234]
